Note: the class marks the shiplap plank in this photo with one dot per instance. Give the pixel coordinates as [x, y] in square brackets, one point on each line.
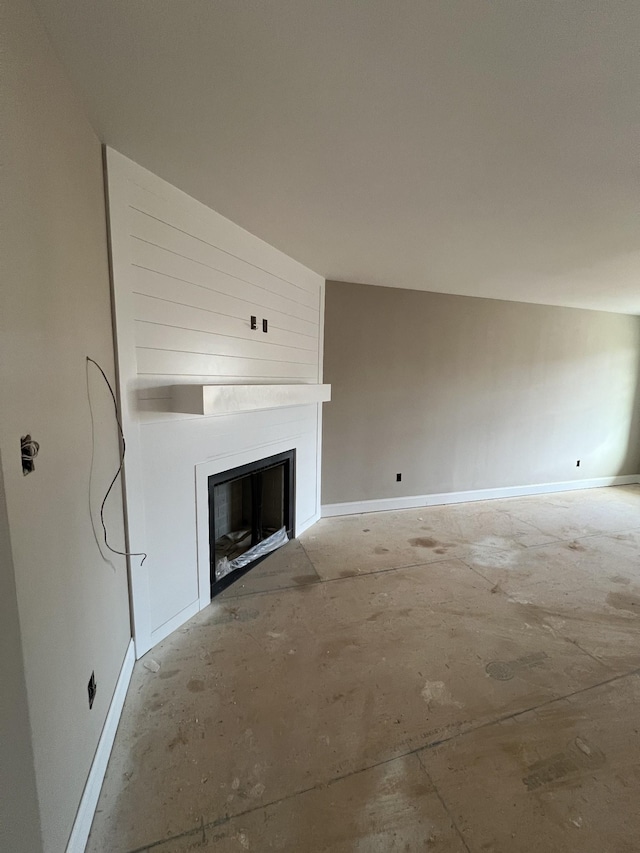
[169, 363]
[159, 310]
[172, 338]
[172, 206]
[149, 416]
[249, 298]
[152, 230]
[159, 385]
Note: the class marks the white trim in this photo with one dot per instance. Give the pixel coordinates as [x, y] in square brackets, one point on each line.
[118, 171]
[318, 512]
[170, 626]
[412, 501]
[86, 810]
[305, 525]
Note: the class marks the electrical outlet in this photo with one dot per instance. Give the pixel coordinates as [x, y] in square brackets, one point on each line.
[92, 689]
[398, 478]
[578, 464]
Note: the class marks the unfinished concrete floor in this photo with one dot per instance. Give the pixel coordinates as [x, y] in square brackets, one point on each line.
[459, 678]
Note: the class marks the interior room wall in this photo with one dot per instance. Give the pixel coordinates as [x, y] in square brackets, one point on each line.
[19, 813]
[72, 595]
[460, 393]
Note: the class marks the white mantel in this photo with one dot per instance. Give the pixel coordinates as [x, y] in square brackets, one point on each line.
[230, 399]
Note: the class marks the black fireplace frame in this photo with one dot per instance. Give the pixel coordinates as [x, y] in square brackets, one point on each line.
[253, 469]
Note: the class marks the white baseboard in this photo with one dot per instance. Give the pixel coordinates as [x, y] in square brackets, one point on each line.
[305, 525]
[171, 625]
[89, 801]
[413, 501]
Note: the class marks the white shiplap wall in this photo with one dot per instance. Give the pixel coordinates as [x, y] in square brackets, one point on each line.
[185, 283]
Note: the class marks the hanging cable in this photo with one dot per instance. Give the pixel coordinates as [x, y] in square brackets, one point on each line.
[123, 448]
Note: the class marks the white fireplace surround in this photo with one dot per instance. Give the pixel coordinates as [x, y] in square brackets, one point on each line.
[202, 389]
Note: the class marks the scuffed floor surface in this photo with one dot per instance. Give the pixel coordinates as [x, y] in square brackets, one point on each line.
[458, 679]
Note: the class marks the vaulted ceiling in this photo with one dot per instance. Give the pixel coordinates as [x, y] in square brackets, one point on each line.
[482, 147]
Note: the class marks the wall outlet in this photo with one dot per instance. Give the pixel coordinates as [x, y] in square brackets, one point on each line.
[578, 464]
[92, 689]
[398, 478]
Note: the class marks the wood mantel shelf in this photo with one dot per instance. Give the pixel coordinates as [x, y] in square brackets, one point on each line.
[229, 399]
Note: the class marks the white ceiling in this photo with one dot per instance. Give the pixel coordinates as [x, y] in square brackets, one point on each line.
[482, 147]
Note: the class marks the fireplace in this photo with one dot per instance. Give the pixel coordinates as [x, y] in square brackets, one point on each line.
[251, 513]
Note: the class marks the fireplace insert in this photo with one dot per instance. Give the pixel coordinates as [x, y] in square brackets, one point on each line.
[251, 513]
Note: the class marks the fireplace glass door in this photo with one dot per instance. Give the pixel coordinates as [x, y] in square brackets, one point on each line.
[251, 513]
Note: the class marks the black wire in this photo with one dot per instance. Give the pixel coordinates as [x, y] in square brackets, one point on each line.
[123, 448]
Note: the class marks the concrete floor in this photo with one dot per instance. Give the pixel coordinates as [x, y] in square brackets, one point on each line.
[460, 678]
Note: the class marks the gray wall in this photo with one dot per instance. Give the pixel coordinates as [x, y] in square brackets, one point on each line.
[460, 393]
[19, 814]
[54, 309]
